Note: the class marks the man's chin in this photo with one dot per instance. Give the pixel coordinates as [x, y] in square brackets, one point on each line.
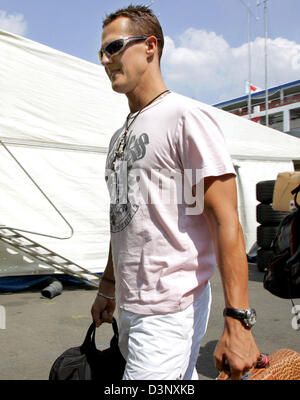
[119, 88]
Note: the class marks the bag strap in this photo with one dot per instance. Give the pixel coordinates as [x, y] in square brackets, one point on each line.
[295, 192]
[115, 328]
[89, 341]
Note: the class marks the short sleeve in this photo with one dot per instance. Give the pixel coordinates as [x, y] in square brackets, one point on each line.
[201, 146]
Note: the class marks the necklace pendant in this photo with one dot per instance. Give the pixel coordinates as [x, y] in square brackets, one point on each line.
[120, 150]
[121, 146]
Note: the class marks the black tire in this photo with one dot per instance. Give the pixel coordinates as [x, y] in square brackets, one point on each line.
[265, 215]
[264, 259]
[266, 235]
[264, 191]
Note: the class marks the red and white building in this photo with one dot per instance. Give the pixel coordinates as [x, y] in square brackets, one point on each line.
[283, 107]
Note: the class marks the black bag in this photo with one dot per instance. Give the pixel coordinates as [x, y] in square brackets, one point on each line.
[86, 362]
[282, 276]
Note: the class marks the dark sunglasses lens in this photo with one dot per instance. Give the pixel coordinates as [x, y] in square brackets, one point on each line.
[114, 47]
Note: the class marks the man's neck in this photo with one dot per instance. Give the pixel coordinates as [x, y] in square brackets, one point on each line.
[143, 95]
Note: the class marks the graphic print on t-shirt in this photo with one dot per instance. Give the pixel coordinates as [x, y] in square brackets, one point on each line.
[122, 206]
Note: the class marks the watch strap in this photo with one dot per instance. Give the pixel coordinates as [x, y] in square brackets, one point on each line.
[234, 313]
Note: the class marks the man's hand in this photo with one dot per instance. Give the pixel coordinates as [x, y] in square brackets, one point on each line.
[236, 350]
[102, 310]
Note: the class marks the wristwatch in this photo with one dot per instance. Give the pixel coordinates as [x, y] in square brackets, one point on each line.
[247, 316]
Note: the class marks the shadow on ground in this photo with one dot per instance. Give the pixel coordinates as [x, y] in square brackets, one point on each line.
[205, 364]
[254, 274]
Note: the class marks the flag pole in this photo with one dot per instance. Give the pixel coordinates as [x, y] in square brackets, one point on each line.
[249, 59]
[249, 64]
[266, 62]
[266, 58]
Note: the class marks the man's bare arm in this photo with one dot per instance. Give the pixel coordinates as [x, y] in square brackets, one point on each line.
[237, 345]
[103, 308]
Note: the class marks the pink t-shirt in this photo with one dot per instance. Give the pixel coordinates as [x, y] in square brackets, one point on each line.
[162, 250]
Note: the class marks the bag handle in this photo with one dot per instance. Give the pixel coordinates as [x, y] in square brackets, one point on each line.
[89, 341]
[295, 192]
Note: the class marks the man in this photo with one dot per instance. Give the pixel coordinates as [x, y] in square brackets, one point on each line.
[163, 253]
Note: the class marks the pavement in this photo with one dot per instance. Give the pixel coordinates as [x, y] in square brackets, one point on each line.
[37, 329]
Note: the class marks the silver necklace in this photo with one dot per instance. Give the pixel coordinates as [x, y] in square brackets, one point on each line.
[122, 144]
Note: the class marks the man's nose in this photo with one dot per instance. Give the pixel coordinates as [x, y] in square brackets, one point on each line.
[105, 59]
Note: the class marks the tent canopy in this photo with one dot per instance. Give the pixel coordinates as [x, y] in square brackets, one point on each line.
[253, 141]
[57, 115]
[53, 98]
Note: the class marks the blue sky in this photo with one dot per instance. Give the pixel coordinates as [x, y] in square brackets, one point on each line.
[206, 53]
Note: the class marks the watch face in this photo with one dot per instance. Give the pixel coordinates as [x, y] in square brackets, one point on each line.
[251, 317]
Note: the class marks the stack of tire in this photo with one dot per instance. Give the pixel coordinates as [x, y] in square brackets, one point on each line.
[268, 220]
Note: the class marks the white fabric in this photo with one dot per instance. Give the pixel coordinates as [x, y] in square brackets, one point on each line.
[51, 97]
[164, 347]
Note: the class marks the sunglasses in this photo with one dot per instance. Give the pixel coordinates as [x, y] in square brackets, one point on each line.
[116, 46]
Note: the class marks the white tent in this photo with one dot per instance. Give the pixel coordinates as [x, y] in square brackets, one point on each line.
[57, 114]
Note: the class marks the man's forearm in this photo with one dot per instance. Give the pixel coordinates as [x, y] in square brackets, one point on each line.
[231, 259]
[233, 266]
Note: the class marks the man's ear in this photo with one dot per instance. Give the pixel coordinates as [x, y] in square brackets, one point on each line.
[151, 45]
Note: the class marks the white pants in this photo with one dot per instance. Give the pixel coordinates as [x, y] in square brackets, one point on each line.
[165, 346]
